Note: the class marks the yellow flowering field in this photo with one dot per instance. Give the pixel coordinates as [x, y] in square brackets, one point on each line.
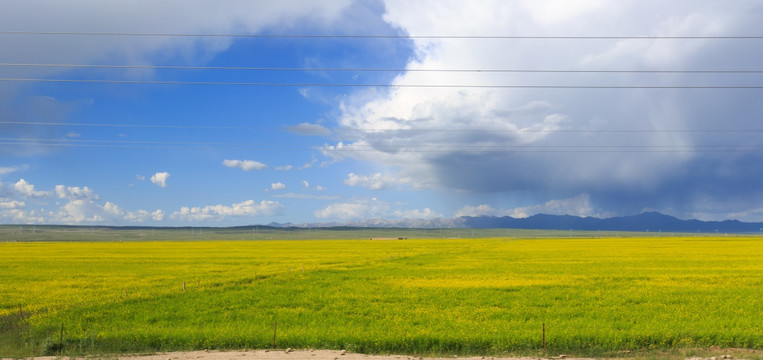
[443, 296]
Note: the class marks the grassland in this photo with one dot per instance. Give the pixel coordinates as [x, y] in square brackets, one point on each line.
[440, 296]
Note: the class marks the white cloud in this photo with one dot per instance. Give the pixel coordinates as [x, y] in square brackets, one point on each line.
[534, 141]
[247, 208]
[75, 193]
[309, 164]
[12, 204]
[140, 177]
[577, 206]
[81, 211]
[80, 207]
[319, 188]
[187, 17]
[425, 213]
[284, 168]
[375, 181]
[20, 216]
[5, 170]
[140, 215]
[87, 211]
[27, 190]
[353, 210]
[160, 178]
[480, 210]
[278, 186]
[157, 215]
[245, 165]
[305, 184]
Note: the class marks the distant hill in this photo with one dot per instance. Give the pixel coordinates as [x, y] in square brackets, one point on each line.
[648, 221]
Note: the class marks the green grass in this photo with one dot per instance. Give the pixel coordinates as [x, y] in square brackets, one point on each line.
[444, 296]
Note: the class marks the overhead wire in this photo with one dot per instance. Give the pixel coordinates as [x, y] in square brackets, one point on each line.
[418, 148]
[361, 69]
[520, 148]
[379, 130]
[381, 36]
[379, 85]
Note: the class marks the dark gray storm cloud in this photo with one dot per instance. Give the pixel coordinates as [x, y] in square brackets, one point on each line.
[680, 150]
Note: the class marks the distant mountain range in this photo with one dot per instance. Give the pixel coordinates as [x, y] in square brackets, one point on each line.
[648, 221]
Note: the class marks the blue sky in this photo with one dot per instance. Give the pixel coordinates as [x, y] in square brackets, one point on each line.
[151, 154]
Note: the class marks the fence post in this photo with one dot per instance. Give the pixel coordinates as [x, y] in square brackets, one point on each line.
[544, 337]
[183, 286]
[275, 325]
[61, 339]
[21, 312]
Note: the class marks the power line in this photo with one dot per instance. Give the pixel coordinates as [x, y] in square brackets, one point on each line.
[327, 69]
[380, 130]
[150, 126]
[449, 148]
[424, 86]
[382, 36]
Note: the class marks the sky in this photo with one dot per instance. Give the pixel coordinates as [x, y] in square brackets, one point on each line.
[207, 144]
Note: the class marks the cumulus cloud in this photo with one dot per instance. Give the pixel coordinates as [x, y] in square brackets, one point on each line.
[375, 181]
[578, 206]
[88, 211]
[75, 193]
[247, 208]
[82, 211]
[27, 190]
[82, 206]
[21, 216]
[245, 165]
[365, 209]
[140, 216]
[12, 204]
[353, 210]
[618, 146]
[160, 178]
[480, 210]
[425, 213]
[278, 186]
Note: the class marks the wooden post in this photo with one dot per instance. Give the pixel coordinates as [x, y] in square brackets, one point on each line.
[21, 312]
[61, 338]
[183, 286]
[275, 325]
[544, 337]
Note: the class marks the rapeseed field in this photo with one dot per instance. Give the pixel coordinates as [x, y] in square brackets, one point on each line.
[455, 296]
